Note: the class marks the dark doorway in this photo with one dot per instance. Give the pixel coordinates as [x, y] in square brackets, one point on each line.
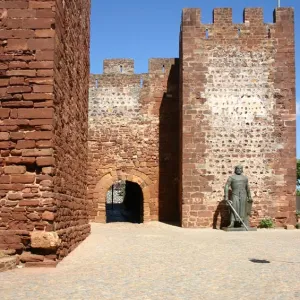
[124, 203]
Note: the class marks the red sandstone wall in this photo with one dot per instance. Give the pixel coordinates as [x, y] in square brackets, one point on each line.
[71, 81]
[26, 92]
[130, 137]
[238, 106]
[43, 91]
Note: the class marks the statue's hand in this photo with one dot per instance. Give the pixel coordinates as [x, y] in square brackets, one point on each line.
[229, 202]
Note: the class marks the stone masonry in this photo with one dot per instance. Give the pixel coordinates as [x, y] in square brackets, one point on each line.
[177, 131]
[238, 106]
[43, 129]
[134, 135]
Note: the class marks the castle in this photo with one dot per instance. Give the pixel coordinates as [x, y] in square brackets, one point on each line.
[177, 131]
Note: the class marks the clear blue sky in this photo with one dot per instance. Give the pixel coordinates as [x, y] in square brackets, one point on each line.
[141, 29]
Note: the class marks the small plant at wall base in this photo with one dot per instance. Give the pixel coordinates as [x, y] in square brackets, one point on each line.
[297, 225]
[266, 223]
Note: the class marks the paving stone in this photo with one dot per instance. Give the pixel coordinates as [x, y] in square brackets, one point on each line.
[159, 261]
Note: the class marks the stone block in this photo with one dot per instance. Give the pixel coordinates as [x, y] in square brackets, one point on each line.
[44, 264]
[48, 216]
[289, 227]
[44, 240]
[8, 263]
[29, 257]
[14, 170]
[45, 161]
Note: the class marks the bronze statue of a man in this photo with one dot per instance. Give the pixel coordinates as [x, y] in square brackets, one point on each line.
[241, 198]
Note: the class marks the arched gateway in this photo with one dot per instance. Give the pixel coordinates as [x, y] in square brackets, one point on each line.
[105, 183]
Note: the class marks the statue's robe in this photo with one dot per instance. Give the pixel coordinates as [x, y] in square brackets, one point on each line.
[240, 192]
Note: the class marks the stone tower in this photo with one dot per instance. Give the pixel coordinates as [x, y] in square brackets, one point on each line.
[237, 106]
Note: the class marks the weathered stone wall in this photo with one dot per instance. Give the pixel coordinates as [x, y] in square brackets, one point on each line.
[127, 121]
[238, 106]
[43, 97]
[27, 49]
[71, 82]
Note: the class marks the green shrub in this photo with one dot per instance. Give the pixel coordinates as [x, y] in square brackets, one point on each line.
[298, 226]
[266, 223]
[298, 213]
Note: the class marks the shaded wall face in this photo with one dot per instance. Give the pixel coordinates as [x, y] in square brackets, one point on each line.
[237, 107]
[169, 149]
[44, 85]
[124, 131]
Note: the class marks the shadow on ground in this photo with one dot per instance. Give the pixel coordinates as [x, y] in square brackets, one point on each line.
[259, 261]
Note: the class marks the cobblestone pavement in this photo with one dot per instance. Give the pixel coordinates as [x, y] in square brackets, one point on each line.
[159, 261]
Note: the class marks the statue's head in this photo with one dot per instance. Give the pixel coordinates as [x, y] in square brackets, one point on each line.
[238, 169]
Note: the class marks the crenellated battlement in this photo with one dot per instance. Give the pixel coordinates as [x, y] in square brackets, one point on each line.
[161, 65]
[122, 70]
[223, 16]
[118, 66]
[253, 16]
[223, 28]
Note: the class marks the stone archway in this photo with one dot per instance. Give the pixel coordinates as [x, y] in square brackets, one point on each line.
[108, 179]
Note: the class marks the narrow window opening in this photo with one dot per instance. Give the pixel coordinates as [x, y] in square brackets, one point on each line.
[206, 33]
[269, 33]
[141, 82]
[239, 32]
[121, 69]
[96, 83]
[163, 68]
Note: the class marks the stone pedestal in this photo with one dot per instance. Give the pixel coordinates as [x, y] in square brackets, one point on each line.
[239, 229]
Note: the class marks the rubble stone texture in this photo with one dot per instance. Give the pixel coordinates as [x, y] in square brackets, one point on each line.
[238, 106]
[177, 131]
[43, 130]
[134, 135]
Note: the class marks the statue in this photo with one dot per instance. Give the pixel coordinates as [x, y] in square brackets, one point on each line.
[241, 197]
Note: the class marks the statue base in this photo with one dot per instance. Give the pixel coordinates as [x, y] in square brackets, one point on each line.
[239, 229]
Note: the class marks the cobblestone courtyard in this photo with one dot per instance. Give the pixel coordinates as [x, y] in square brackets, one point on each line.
[159, 261]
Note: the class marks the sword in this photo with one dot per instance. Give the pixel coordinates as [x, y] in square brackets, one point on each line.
[237, 214]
